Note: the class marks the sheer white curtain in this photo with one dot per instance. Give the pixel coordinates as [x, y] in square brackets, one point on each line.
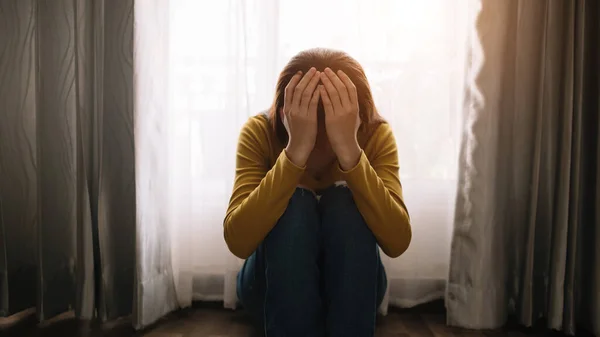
[223, 64]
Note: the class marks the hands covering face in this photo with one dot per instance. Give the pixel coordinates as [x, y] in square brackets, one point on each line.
[340, 101]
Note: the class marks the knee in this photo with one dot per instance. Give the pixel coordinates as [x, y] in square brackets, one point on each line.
[342, 220]
[338, 198]
[297, 229]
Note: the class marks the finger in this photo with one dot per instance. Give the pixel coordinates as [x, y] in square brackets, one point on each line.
[332, 92]
[339, 85]
[314, 102]
[299, 89]
[289, 89]
[309, 91]
[327, 105]
[349, 86]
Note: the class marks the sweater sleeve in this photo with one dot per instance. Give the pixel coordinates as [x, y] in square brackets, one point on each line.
[260, 196]
[377, 192]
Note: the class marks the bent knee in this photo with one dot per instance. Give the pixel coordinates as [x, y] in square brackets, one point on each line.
[299, 222]
[341, 217]
[338, 196]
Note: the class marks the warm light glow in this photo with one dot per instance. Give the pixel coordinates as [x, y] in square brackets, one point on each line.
[225, 57]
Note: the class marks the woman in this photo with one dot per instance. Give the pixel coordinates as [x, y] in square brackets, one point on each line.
[316, 193]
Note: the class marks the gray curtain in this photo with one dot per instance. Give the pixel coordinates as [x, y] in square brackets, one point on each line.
[527, 232]
[67, 167]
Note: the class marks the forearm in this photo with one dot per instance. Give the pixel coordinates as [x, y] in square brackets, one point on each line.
[252, 214]
[382, 208]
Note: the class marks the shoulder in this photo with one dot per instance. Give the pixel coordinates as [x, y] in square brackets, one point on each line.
[383, 130]
[257, 124]
[380, 133]
[255, 133]
[380, 141]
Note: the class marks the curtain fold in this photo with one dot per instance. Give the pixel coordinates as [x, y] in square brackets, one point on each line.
[155, 293]
[527, 226]
[18, 154]
[67, 180]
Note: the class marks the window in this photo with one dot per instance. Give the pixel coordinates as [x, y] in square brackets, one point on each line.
[225, 57]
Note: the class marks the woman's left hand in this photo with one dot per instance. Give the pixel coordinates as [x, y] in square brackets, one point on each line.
[342, 120]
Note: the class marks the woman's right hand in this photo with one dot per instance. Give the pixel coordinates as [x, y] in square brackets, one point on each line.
[300, 115]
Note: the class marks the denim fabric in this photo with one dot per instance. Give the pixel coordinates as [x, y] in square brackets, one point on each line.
[317, 273]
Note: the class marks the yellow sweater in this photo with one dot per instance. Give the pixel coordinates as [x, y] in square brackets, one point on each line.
[265, 180]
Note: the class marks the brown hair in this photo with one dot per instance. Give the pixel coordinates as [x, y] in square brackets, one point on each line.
[321, 58]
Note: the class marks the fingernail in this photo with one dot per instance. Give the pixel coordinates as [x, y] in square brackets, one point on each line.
[299, 72]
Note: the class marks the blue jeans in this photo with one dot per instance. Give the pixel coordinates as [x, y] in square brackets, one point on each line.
[317, 273]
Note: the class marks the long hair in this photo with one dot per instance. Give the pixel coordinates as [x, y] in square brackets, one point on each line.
[321, 58]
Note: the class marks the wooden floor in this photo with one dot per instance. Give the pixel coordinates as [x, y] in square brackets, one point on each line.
[212, 321]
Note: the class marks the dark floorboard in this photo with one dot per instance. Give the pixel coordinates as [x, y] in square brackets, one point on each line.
[209, 320]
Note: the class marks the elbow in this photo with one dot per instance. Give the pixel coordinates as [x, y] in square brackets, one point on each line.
[237, 248]
[235, 243]
[238, 251]
[401, 242]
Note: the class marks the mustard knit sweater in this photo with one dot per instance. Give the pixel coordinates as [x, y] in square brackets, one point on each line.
[265, 180]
